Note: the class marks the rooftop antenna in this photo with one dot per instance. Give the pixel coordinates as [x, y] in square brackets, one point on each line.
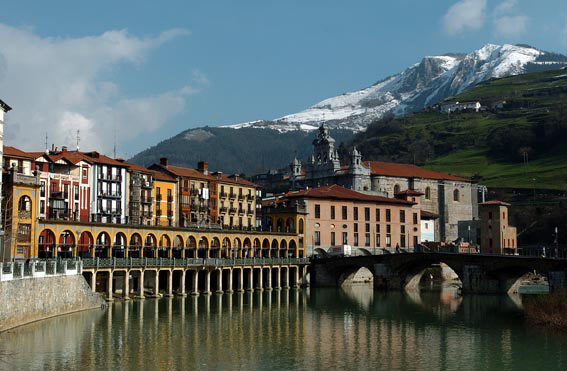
[46, 141]
[114, 140]
[78, 139]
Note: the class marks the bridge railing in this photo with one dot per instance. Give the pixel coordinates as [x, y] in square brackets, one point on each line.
[187, 262]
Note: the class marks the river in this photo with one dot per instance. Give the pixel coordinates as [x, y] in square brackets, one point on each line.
[348, 328]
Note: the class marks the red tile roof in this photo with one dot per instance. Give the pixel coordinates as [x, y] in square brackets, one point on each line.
[337, 192]
[196, 174]
[407, 171]
[10, 151]
[159, 175]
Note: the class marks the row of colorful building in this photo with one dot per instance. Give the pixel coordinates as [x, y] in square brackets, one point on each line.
[369, 205]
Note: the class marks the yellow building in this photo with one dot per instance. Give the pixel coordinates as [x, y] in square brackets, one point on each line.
[165, 196]
[236, 205]
[20, 194]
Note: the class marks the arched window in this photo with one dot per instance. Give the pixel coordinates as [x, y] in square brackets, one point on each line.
[300, 226]
[427, 193]
[396, 188]
[456, 195]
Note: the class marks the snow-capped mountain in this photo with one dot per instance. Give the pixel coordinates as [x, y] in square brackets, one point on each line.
[425, 83]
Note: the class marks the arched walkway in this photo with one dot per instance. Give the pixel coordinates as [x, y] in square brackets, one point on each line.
[120, 245]
[215, 248]
[135, 247]
[178, 247]
[274, 251]
[46, 244]
[203, 247]
[85, 247]
[164, 246]
[226, 248]
[283, 249]
[191, 247]
[150, 245]
[67, 246]
[247, 251]
[102, 245]
[292, 251]
[266, 248]
[257, 247]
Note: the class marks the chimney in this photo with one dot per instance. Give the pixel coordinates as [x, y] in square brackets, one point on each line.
[163, 161]
[203, 167]
[64, 149]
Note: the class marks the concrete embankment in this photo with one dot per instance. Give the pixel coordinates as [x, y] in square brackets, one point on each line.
[27, 300]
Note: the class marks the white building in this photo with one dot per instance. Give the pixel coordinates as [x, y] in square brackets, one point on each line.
[4, 108]
[460, 106]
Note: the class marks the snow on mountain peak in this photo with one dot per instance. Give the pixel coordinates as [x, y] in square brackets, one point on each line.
[430, 81]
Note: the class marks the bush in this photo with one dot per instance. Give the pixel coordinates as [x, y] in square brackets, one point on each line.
[548, 310]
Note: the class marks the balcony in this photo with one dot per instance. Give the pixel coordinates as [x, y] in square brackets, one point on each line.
[185, 190]
[223, 195]
[111, 211]
[241, 197]
[232, 196]
[148, 185]
[147, 200]
[158, 197]
[223, 209]
[110, 177]
[241, 211]
[16, 178]
[185, 206]
[158, 213]
[169, 198]
[232, 210]
[147, 214]
[59, 214]
[24, 214]
[250, 198]
[109, 194]
[169, 214]
[250, 212]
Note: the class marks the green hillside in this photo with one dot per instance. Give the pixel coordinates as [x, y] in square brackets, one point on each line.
[521, 145]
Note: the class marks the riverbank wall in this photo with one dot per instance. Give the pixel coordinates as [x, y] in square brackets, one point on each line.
[28, 300]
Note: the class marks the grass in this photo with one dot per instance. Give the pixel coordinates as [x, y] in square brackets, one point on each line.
[548, 310]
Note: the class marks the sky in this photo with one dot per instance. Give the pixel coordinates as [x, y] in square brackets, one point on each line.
[141, 72]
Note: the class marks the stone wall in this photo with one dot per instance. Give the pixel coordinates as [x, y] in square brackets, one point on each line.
[27, 300]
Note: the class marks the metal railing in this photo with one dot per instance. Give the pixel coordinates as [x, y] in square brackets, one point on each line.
[186, 262]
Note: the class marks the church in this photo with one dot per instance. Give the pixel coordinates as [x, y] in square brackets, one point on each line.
[445, 200]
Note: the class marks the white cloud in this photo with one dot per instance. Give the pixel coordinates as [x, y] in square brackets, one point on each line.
[57, 85]
[510, 26]
[465, 15]
[505, 6]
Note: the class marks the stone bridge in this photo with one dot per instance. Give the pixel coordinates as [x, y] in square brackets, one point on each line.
[478, 273]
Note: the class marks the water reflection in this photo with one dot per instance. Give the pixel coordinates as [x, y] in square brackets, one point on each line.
[351, 328]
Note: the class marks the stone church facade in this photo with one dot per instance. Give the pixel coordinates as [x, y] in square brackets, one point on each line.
[446, 198]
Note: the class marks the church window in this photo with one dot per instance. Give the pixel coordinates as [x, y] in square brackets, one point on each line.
[456, 195]
[428, 193]
[396, 188]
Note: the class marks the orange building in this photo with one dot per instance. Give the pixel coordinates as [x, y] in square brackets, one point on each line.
[496, 235]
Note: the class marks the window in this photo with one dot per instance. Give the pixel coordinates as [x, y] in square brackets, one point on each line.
[504, 215]
[388, 215]
[415, 241]
[415, 218]
[317, 211]
[456, 195]
[42, 207]
[427, 193]
[345, 238]
[42, 189]
[377, 240]
[367, 214]
[490, 215]
[332, 212]
[85, 172]
[403, 240]
[367, 228]
[345, 212]
[388, 241]
[76, 192]
[356, 227]
[377, 228]
[402, 216]
[355, 213]
[377, 215]
[317, 238]
[367, 239]
[388, 228]
[396, 188]
[158, 191]
[356, 239]
[402, 229]
[332, 238]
